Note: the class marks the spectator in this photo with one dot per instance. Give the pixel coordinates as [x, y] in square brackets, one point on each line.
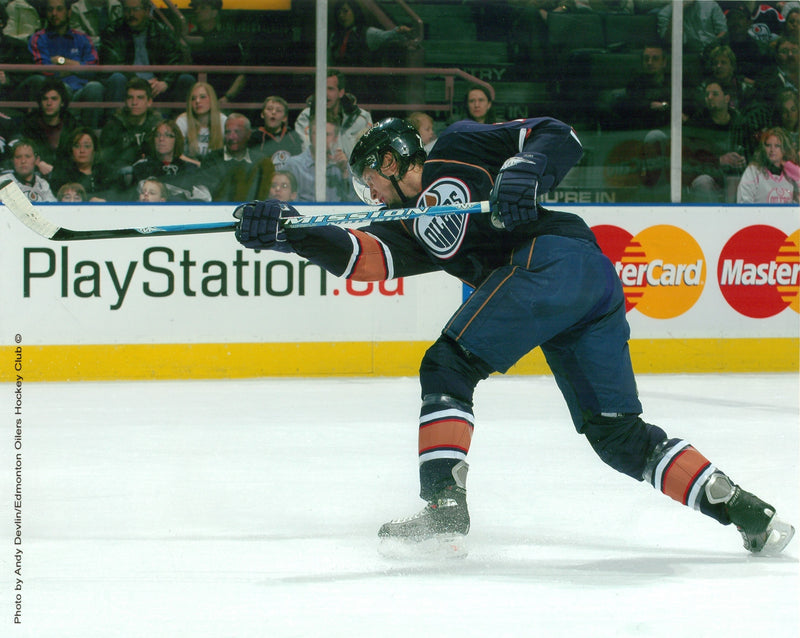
[478, 104]
[50, 126]
[773, 176]
[123, 136]
[8, 132]
[164, 159]
[83, 166]
[139, 39]
[647, 98]
[353, 43]
[788, 117]
[714, 145]
[342, 110]
[94, 16]
[424, 125]
[791, 27]
[237, 173]
[217, 47]
[71, 192]
[339, 187]
[722, 68]
[202, 122]
[152, 190]
[749, 52]
[785, 73]
[704, 25]
[283, 186]
[23, 20]
[58, 44]
[275, 139]
[25, 158]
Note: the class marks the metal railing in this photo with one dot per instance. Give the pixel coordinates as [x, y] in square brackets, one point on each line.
[448, 76]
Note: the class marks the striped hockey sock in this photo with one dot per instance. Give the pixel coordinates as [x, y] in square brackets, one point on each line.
[445, 434]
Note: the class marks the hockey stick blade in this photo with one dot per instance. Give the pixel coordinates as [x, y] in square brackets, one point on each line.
[19, 205]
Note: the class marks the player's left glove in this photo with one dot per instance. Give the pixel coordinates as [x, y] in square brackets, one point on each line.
[260, 224]
[513, 197]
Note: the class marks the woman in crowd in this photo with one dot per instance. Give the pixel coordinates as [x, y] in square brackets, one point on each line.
[773, 176]
[202, 124]
[165, 160]
[82, 166]
[478, 103]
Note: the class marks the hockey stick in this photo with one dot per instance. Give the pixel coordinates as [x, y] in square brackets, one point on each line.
[19, 205]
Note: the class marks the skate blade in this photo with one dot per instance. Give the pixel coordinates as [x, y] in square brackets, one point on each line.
[441, 546]
[779, 534]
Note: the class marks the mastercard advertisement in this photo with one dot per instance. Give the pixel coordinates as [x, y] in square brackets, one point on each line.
[664, 270]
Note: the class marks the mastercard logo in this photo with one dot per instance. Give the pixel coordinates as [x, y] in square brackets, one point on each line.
[758, 271]
[662, 268]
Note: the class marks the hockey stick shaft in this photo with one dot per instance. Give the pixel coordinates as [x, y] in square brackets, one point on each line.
[19, 205]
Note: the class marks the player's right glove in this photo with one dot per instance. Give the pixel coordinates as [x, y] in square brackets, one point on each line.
[260, 224]
[513, 197]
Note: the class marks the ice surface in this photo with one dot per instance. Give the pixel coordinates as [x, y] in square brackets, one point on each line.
[250, 509]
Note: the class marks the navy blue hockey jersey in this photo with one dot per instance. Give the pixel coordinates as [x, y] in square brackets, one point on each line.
[461, 168]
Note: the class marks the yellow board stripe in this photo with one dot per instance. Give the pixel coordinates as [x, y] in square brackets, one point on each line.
[380, 359]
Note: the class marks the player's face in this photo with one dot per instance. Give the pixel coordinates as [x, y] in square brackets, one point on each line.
[24, 161]
[201, 101]
[774, 150]
[83, 151]
[137, 102]
[274, 115]
[380, 188]
[281, 188]
[51, 103]
[478, 105]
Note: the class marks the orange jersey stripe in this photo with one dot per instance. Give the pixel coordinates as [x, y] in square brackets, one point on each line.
[371, 263]
[446, 433]
[682, 473]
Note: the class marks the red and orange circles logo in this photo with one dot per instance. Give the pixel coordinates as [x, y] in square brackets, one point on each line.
[758, 271]
[662, 268]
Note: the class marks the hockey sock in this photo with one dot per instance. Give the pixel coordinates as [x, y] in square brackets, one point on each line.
[445, 434]
[678, 470]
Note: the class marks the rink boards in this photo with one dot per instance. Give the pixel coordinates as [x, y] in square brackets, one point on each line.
[708, 288]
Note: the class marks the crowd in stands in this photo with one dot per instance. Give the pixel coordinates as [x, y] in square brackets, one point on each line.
[739, 111]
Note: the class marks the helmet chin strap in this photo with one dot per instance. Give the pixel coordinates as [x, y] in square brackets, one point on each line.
[405, 201]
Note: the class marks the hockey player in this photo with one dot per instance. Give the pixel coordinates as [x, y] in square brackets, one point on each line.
[540, 280]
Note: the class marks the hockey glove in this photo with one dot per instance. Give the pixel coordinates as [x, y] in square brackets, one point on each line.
[259, 224]
[513, 197]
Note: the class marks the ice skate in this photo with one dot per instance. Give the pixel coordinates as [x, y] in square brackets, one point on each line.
[763, 532]
[440, 528]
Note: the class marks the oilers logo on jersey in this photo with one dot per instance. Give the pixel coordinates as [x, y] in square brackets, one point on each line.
[443, 235]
